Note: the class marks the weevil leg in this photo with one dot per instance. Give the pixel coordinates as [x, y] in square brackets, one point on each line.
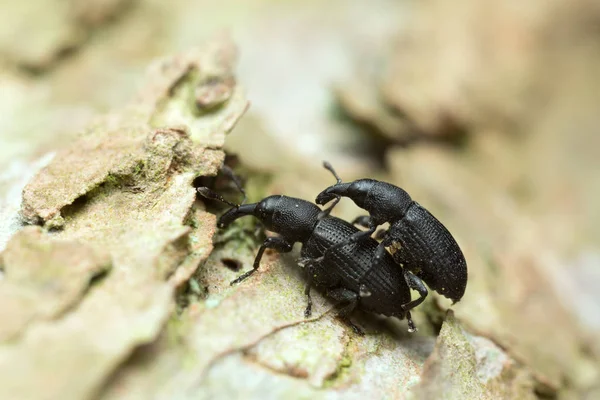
[350, 299]
[364, 220]
[309, 279]
[337, 199]
[411, 325]
[346, 296]
[236, 180]
[380, 234]
[325, 213]
[276, 243]
[415, 283]
[308, 310]
[377, 256]
[352, 325]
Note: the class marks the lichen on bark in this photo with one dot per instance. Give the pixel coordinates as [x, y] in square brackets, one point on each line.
[124, 186]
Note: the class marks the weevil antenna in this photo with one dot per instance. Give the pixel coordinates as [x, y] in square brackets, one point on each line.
[329, 167]
[236, 180]
[325, 213]
[209, 194]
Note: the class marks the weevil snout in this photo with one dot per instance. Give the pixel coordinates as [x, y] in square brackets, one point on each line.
[331, 193]
[235, 213]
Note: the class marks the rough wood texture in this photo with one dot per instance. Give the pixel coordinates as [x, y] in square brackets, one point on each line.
[120, 292]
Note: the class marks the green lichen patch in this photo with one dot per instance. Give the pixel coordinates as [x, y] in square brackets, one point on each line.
[466, 367]
[125, 186]
[44, 278]
[292, 351]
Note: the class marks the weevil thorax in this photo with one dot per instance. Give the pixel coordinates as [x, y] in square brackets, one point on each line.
[386, 202]
[292, 218]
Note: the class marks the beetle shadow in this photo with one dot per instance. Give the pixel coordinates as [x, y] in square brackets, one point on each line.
[377, 324]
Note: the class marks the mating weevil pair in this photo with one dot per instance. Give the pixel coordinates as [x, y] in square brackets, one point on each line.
[345, 263]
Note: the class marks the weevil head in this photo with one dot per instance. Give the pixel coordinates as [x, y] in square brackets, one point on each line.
[294, 219]
[267, 209]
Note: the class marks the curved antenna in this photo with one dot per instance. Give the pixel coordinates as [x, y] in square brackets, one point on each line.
[324, 213]
[209, 194]
[329, 168]
[236, 180]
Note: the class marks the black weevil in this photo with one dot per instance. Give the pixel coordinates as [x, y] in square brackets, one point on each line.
[417, 240]
[345, 275]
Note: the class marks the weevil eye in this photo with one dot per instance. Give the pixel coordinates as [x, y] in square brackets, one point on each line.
[266, 209]
[359, 190]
